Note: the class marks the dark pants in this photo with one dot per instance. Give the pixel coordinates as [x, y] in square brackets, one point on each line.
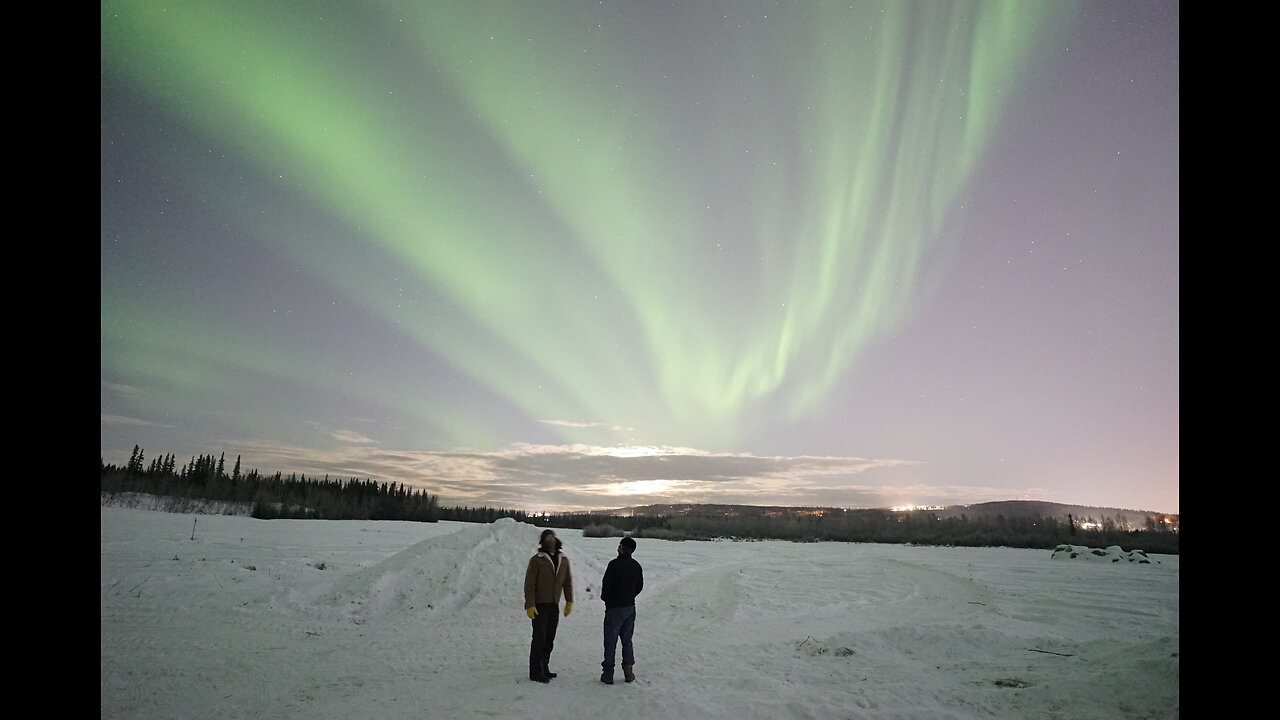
[619, 622]
[544, 637]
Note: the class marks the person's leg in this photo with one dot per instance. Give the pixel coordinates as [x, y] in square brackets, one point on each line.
[552, 612]
[551, 635]
[610, 642]
[627, 627]
[536, 644]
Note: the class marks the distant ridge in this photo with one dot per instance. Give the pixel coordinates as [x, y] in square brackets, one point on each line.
[1007, 508]
[1027, 508]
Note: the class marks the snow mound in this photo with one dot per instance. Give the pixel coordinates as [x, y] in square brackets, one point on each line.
[480, 565]
[1113, 554]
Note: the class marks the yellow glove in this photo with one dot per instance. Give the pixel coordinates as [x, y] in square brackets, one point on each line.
[531, 611]
[568, 608]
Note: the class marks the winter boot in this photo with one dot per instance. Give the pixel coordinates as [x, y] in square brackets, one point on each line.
[626, 672]
[537, 675]
[606, 677]
[546, 670]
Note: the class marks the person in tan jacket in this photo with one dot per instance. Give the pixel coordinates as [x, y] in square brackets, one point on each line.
[547, 575]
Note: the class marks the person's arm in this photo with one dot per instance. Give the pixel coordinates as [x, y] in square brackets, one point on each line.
[568, 581]
[530, 582]
[639, 578]
[606, 585]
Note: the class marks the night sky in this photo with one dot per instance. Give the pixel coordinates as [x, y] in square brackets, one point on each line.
[589, 254]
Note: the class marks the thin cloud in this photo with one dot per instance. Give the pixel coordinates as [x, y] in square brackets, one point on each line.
[575, 477]
[122, 420]
[570, 423]
[585, 477]
[352, 436]
[120, 388]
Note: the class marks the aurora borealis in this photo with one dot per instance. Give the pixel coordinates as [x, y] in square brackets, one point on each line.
[588, 254]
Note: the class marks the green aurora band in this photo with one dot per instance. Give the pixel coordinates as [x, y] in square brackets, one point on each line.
[680, 249]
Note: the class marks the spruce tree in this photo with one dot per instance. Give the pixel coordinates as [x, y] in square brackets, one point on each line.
[135, 461]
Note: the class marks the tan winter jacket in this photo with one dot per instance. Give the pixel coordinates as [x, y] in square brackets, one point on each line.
[542, 582]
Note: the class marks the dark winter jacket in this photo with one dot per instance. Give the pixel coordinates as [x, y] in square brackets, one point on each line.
[623, 581]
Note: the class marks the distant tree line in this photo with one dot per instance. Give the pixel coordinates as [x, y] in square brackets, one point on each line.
[880, 526]
[483, 514]
[272, 496]
[278, 496]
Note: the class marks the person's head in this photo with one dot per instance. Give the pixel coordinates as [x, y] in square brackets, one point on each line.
[548, 540]
[626, 546]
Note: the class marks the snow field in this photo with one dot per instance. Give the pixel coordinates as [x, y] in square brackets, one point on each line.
[414, 620]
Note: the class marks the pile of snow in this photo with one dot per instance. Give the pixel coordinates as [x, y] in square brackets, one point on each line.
[1113, 554]
[481, 565]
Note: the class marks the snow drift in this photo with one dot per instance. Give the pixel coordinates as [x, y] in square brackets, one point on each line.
[1113, 554]
[167, 503]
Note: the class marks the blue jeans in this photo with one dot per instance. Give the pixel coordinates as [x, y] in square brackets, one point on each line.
[619, 622]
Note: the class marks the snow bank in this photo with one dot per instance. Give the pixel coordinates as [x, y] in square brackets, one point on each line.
[481, 565]
[1113, 554]
[164, 503]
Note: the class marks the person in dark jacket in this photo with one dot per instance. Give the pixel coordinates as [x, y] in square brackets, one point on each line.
[623, 581]
[546, 576]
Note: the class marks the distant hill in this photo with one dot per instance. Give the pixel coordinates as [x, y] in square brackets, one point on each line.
[715, 510]
[1027, 508]
[1012, 523]
[674, 510]
[1134, 519]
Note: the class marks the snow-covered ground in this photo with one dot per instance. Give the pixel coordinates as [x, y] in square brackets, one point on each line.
[314, 619]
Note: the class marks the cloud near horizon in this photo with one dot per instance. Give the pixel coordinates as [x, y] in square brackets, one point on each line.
[588, 477]
[571, 424]
[120, 388]
[122, 420]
